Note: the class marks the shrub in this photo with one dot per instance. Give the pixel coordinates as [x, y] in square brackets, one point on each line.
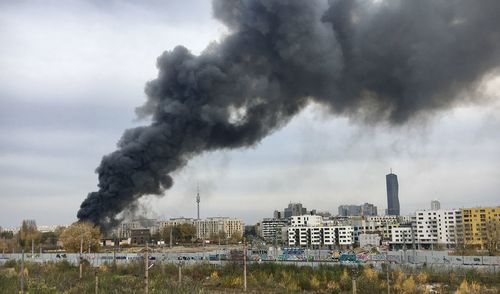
[231, 282]
[422, 277]
[10, 263]
[409, 285]
[345, 280]
[370, 274]
[399, 278]
[314, 283]
[471, 288]
[333, 286]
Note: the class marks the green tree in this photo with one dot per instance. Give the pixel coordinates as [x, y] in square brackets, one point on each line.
[7, 235]
[7, 245]
[49, 239]
[81, 232]
[187, 232]
[492, 240]
[218, 237]
[28, 234]
[165, 234]
[183, 233]
[236, 237]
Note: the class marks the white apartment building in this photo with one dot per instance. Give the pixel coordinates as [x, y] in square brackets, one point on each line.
[306, 220]
[438, 226]
[306, 230]
[402, 235]
[305, 236]
[345, 235]
[374, 226]
[216, 225]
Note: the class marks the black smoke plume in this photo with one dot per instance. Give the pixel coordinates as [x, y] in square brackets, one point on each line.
[376, 61]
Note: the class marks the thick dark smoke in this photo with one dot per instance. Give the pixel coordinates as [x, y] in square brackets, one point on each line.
[375, 61]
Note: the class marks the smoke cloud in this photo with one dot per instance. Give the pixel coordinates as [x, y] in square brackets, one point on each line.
[376, 61]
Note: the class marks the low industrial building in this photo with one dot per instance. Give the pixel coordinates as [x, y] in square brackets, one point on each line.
[140, 236]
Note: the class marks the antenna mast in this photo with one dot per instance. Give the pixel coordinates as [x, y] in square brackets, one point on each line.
[198, 201]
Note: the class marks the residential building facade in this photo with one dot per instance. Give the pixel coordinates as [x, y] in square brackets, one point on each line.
[438, 227]
[175, 222]
[206, 228]
[481, 227]
[309, 230]
[271, 230]
[367, 240]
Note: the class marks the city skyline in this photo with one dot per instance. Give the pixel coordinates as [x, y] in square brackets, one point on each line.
[66, 97]
[276, 215]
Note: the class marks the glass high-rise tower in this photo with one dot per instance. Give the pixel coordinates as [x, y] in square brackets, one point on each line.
[391, 181]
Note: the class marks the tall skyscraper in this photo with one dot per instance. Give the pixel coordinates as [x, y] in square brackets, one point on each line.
[435, 205]
[391, 181]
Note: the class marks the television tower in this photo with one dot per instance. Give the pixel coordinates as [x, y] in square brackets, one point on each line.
[198, 201]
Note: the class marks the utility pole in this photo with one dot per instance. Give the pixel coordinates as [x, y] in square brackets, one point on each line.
[22, 271]
[404, 247]
[171, 227]
[354, 273]
[203, 248]
[146, 271]
[244, 265]
[413, 244]
[32, 248]
[388, 285]
[96, 283]
[81, 252]
[180, 273]
[387, 264]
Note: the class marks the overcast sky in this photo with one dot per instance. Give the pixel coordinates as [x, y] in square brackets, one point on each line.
[72, 72]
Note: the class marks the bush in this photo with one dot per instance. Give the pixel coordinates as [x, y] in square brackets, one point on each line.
[314, 283]
[466, 288]
[11, 263]
[345, 281]
[422, 277]
[409, 285]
